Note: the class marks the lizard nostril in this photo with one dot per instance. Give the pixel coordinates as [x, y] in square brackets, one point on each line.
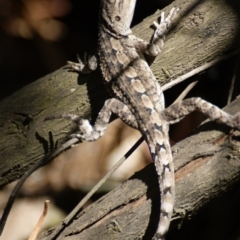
[117, 18]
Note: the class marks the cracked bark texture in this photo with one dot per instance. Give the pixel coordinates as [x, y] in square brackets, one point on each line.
[207, 165]
[205, 31]
[26, 138]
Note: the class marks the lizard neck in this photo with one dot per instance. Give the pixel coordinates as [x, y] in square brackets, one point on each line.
[117, 16]
[115, 52]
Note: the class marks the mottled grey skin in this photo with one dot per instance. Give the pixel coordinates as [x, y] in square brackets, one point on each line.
[137, 97]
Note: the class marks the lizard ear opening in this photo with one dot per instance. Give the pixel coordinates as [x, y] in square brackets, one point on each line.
[117, 18]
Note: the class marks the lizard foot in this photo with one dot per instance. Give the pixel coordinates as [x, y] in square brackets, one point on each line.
[163, 26]
[236, 120]
[86, 133]
[86, 66]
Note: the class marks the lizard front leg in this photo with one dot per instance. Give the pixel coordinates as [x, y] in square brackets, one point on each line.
[177, 111]
[157, 40]
[92, 133]
[88, 65]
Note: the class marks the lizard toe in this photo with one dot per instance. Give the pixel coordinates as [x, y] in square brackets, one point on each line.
[237, 120]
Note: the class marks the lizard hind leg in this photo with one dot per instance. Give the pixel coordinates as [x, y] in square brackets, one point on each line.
[177, 111]
[91, 133]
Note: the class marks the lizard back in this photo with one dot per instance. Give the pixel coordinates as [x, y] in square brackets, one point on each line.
[129, 79]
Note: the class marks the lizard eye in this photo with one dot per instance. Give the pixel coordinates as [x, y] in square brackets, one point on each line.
[117, 18]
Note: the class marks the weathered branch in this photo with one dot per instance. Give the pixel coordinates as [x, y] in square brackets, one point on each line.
[25, 136]
[199, 37]
[132, 210]
[207, 165]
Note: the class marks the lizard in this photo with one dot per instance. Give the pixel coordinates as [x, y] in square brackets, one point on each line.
[136, 95]
[137, 98]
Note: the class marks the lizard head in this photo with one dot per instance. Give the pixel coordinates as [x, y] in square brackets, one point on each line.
[116, 15]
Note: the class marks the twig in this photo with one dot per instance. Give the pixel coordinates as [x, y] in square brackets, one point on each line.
[233, 79]
[74, 212]
[36, 230]
[21, 181]
[198, 70]
[185, 92]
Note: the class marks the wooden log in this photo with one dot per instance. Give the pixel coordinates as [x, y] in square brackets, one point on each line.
[207, 165]
[132, 210]
[25, 138]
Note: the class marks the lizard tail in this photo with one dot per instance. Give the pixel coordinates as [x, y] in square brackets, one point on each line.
[165, 170]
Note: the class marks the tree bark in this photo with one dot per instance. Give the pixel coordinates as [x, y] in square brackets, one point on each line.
[207, 164]
[25, 137]
[205, 31]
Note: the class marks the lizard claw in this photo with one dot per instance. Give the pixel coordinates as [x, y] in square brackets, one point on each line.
[85, 129]
[86, 132]
[75, 118]
[86, 66]
[237, 120]
[164, 24]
